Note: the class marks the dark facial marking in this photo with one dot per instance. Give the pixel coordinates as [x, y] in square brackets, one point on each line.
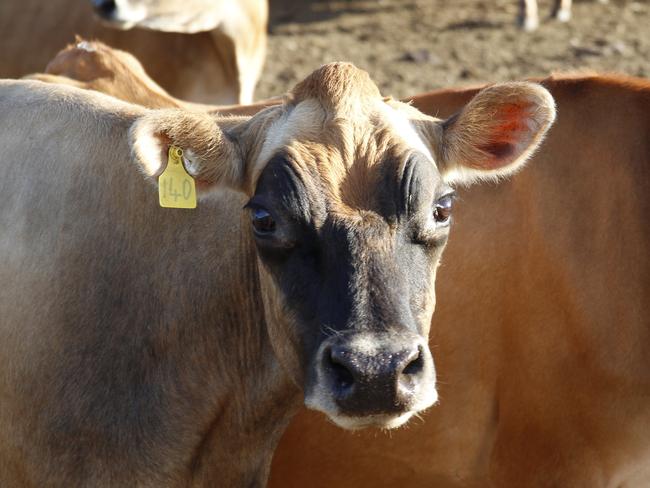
[363, 270]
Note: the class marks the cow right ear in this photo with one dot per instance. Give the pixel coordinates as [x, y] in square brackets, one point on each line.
[211, 158]
[495, 133]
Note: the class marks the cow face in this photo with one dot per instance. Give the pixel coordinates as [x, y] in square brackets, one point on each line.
[187, 16]
[350, 206]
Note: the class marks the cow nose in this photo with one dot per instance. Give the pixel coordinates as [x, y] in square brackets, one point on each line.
[375, 382]
[104, 8]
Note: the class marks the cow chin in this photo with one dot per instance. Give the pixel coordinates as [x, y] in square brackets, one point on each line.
[384, 422]
[379, 421]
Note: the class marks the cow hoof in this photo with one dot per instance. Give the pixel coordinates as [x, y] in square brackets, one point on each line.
[563, 15]
[528, 24]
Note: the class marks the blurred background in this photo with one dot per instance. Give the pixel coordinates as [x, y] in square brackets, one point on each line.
[407, 46]
[411, 46]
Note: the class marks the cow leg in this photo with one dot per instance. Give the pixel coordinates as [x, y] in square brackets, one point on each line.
[562, 10]
[528, 15]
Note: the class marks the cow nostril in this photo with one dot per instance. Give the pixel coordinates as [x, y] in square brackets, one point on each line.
[416, 365]
[344, 378]
[341, 374]
[104, 7]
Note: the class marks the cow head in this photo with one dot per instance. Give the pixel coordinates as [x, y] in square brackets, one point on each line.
[350, 202]
[187, 16]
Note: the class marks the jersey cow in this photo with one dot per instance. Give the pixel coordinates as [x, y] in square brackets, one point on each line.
[201, 50]
[544, 377]
[148, 346]
[544, 373]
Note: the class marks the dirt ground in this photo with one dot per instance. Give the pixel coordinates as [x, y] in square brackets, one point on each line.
[412, 46]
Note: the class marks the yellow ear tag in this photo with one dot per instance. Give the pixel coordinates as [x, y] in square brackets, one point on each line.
[176, 188]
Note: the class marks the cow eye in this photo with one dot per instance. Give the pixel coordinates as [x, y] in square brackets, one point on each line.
[442, 210]
[263, 222]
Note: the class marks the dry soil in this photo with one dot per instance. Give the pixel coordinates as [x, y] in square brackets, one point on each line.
[412, 46]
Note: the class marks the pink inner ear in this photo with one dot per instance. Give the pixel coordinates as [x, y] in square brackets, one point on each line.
[509, 132]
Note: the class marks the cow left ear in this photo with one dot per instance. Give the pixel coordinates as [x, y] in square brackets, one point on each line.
[495, 133]
[210, 156]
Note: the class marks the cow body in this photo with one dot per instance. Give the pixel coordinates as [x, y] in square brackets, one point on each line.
[151, 391]
[220, 65]
[156, 347]
[545, 372]
[92, 65]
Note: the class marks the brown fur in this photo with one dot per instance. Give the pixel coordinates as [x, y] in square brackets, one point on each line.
[328, 86]
[92, 65]
[95, 66]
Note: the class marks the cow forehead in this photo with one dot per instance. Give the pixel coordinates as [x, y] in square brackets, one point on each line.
[337, 120]
[337, 85]
[354, 168]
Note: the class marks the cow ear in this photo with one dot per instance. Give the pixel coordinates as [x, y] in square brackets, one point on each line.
[210, 156]
[495, 133]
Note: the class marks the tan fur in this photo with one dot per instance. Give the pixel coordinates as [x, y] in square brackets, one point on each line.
[218, 66]
[92, 65]
[484, 126]
[199, 136]
[330, 86]
[95, 66]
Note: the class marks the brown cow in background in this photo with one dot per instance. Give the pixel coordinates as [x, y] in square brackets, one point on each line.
[200, 50]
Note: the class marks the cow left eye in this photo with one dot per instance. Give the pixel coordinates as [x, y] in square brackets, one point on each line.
[263, 222]
[442, 210]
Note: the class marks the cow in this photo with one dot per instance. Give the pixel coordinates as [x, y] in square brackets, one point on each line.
[487, 430]
[544, 374]
[149, 346]
[529, 15]
[92, 65]
[200, 50]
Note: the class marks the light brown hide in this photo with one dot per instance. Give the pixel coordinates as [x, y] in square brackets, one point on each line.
[195, 360]
[204, 67]
[542, 326]
[92, 65]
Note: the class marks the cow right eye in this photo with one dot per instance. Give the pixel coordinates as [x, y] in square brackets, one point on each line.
[263, 222]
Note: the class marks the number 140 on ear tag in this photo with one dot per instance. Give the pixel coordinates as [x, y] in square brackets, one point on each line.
[176, 188]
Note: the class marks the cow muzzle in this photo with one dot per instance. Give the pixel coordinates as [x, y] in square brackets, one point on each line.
[365, 379]
[104, 8]
[119, 14]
